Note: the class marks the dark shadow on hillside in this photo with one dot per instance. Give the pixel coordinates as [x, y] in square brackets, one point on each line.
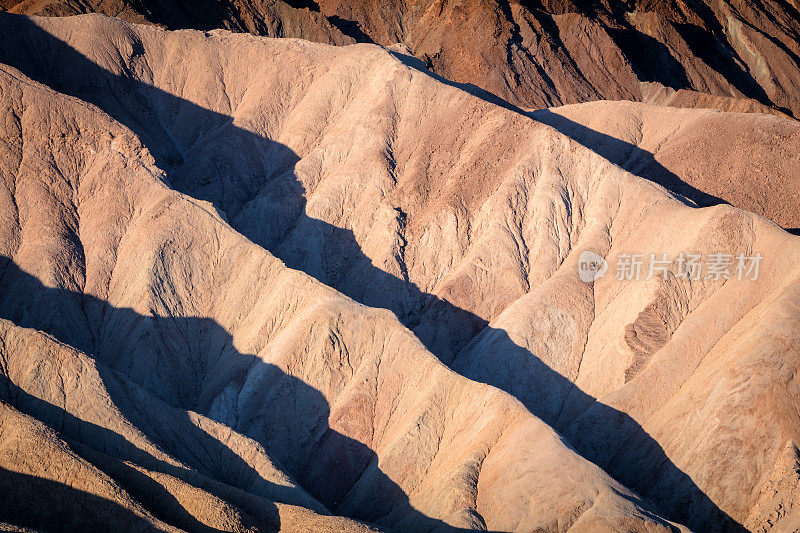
[214, 14]
[483, 94]
[107, 451]
[201, 15]
[607, 437]
[626, 155]
[713, 47]
[233, 168]
[304, 4]
[351, 28]
[61, 507]
[292, 425]
[650, 59]
[175, 14]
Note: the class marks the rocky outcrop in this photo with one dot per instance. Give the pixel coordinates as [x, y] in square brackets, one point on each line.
[734, 54]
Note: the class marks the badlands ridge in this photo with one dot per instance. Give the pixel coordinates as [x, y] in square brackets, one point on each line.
[252, 283]
[732, 55]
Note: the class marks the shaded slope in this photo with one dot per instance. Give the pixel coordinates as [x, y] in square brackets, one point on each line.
[99, 414]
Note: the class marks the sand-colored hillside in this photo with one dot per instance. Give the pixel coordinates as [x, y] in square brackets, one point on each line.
[184, 338]
[281, 246]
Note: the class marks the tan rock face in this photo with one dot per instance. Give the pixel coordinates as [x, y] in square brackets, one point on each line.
[202, 234]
